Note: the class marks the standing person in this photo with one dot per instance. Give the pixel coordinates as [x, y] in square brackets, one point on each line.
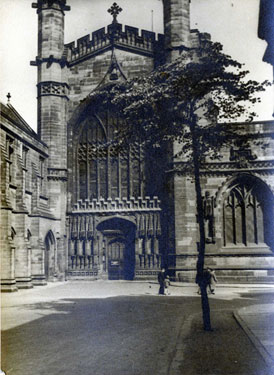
[203, 279]
[213, 280]
[161, 281]
[167, 284]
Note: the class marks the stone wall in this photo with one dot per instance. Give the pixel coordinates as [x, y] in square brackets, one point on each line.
[25, 215]
[86, 75]
[250, 161]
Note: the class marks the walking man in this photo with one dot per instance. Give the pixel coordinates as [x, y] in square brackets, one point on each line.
[167, 285]
[161, 281]
[213, 280]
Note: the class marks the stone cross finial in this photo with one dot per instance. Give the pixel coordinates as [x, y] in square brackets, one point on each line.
[9, 96]
[114, 10]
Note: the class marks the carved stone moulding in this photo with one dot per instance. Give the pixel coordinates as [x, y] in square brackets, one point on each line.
[57, 174]
[51, 4]
[52, 88]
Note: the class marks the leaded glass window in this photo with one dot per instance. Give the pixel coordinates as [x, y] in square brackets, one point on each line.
[103, 172]
[248, 212]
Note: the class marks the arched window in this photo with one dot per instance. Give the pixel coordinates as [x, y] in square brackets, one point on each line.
[248, 213]
[103, 172]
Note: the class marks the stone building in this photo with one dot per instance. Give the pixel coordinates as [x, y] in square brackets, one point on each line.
[30, 233]
[74, 209]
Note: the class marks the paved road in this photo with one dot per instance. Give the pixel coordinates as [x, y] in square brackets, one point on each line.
[68, 329]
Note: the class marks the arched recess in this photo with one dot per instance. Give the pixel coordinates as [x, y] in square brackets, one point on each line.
[119, 247]
[50, 256]
[248, 213]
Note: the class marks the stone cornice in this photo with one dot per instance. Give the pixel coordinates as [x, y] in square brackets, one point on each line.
[59, 5]
[57, 174]
[237, 253]
[32, 143]
[49, 60]
[40, 214]
[259, 166]
[117, 206]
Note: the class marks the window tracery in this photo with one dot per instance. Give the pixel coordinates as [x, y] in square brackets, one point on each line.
[103, 172]
[246, 215]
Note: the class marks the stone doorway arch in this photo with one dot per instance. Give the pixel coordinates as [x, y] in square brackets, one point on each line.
[50, 256]
[119, 248]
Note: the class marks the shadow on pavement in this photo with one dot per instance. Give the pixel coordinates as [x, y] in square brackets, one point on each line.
[131, 335]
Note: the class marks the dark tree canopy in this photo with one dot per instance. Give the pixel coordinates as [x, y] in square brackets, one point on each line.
[201, 85]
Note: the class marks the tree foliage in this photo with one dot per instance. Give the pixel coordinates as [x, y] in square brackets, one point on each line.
[203, 84]
[179, 103]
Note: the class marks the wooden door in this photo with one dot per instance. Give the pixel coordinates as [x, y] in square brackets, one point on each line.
[116, 251]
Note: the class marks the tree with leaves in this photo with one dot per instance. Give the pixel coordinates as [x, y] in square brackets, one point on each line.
[179, 103]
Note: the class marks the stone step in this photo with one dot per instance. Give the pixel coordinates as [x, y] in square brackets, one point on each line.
[246, 279]
[233, 276]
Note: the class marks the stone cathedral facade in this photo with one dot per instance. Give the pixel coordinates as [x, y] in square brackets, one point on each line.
[71, 208]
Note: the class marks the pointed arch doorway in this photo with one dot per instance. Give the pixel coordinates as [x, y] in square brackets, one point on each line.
[119, 248]
[50, 256]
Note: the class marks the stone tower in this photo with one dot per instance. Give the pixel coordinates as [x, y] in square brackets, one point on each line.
[182, 230]
[176, 27]
[52, 110]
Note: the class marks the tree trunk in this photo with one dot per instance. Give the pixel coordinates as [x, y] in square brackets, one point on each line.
[201, 280]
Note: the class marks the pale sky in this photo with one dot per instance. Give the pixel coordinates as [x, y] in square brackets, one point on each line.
[232, 22]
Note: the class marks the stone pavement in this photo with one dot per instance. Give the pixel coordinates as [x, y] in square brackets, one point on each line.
[257, 321]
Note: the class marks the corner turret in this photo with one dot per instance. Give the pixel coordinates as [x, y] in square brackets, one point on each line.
[176, 27]
[52, 99]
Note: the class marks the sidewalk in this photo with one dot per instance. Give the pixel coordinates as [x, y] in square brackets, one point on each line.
[258, 323]
[226, 350]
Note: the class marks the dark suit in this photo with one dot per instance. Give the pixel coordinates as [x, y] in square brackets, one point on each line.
[161, 281]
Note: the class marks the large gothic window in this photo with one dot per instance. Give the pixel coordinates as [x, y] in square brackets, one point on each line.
[248, 214]
[102, 171]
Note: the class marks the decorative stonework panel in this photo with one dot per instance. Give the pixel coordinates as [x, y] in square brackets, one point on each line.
[53, 88]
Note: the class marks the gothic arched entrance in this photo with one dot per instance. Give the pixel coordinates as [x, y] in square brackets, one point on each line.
[50, 256]
[119, 248]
